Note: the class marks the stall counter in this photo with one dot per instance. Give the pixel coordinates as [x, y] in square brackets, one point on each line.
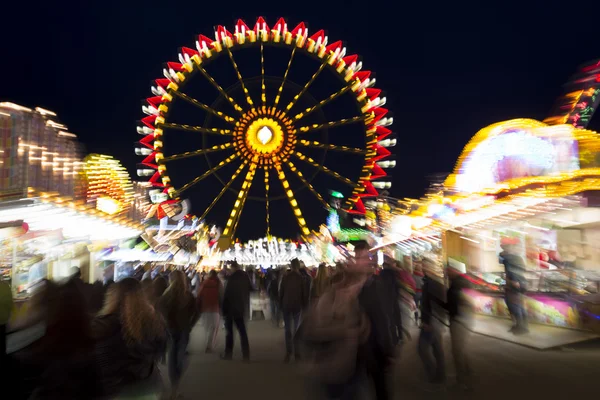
[548, 309]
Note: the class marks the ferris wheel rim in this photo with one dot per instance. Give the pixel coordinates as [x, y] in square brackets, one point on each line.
[331, 56]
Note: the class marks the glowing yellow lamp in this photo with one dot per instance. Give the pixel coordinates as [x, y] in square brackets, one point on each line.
[264, 135]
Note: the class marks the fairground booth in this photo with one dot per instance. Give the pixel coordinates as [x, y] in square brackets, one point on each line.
[534, 186]
[58, 210]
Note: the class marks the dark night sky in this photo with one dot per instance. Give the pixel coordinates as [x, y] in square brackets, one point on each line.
[448, 68]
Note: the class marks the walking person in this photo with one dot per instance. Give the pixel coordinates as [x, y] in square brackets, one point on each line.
[418, 276]
[430, 346]
[236, 305]
[273, 293]
[379, 352]
[130, 338]
[6, 304]
[178, 306]
[515, 288]
[335, 332]
[209, 296]
[348, 333]
[408, 289]
[320, 284]
[391, 295]
[159, 285]
[293, 299]
[63, 357]
[459, 310]
[307, 279]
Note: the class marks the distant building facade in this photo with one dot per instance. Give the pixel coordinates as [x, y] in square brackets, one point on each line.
[36, 151]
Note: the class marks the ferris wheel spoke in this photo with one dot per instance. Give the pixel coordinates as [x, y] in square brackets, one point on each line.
[263, 87]
[194, 128]
[322, 102]
[267, 201]
[238, 206]
[195, 153]
[208, 173]
[204, 107]
[239, 75]
[319, 145]
[287, 71]
[305, 88]
[307, 184]
[332, 124]
[293, 203]
[227, 185]
[323, 168]
[221, 90]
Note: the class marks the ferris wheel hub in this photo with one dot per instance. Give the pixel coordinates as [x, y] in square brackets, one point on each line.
[264, 135]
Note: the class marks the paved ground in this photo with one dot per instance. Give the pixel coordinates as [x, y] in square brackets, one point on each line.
[503, 370]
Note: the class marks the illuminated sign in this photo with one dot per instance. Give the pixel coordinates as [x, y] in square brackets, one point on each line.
[517, 149]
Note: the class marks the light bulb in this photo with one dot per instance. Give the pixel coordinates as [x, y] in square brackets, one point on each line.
[264, 135]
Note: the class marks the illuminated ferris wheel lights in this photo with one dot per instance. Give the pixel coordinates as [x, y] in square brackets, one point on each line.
[157, 90]
[382, 185]
[387, 163]
[273, 146]
[149, 110]
[379, 102]
[265, 135]
[388, 142]
[145, 172]
[184, 59]
[170, 75]
[385, 121]
[144, 130]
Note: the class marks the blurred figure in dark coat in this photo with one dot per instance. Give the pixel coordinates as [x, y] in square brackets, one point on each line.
[391, 295]
[515, 288]
[64, 355]
[273, 293]
[379, 352]
[130, 340]
[460, 312]
[6, 304]
[430, 345]
[293, 299]
[178, 307]
[236, 305]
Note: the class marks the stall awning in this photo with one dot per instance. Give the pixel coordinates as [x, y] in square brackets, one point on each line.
[74, 223]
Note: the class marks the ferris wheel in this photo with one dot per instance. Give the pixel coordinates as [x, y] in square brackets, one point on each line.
[264, 123]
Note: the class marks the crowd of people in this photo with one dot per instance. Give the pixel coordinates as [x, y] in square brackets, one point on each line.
[104, 341]
[349, 323]
[346, 325]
